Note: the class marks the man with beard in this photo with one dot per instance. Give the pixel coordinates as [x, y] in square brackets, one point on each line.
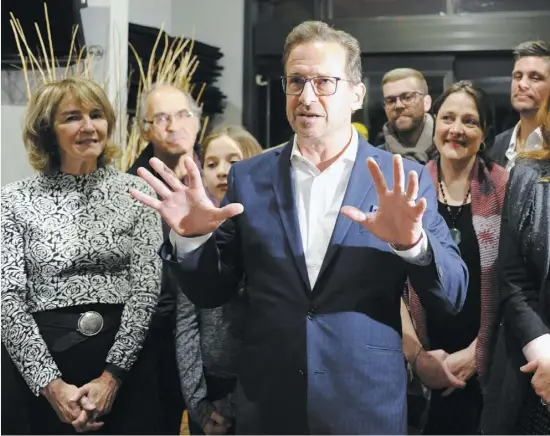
[409, 130]
[530, 88]
[170, 122]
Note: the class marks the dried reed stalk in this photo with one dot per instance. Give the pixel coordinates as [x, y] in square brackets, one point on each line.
[175, 66]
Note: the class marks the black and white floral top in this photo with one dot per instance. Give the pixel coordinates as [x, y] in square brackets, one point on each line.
[72, 240]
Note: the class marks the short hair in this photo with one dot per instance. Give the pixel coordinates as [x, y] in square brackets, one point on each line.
[193, 106]
[248, 145]
[39, 130]
[532, 48]
[406, 73]
[313, 31]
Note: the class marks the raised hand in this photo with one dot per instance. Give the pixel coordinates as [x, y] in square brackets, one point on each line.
[398, 219]
[187, 210]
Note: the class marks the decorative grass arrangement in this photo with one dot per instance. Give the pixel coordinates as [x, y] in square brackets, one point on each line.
[175, 67]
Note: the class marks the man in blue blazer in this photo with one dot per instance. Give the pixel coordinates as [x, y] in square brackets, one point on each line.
[322, 346]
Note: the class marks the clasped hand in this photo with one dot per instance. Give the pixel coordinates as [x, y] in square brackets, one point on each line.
[81, 407]
[541, 378]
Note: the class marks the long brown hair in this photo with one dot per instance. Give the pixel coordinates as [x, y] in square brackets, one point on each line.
[543, 119]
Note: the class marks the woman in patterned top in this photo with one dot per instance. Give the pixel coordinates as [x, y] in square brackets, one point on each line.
[80, 276]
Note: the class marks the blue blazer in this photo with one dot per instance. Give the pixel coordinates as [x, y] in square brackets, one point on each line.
[327, 359]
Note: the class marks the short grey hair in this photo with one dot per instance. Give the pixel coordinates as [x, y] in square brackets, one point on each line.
[193, 106]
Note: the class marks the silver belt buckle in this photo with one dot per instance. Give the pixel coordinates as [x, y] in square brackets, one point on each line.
[90, 323]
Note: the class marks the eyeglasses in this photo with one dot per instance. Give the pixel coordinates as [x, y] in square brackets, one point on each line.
[322, 85]
[163, 119]
[406, 98]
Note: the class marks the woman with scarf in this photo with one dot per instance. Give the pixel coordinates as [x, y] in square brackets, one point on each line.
[470, 196]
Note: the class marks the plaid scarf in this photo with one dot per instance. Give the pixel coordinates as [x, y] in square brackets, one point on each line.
[487, 195]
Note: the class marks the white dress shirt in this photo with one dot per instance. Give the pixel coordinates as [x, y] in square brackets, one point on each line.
[319, 197]
[533, 142]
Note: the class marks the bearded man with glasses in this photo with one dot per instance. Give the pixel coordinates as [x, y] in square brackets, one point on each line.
[409, 130]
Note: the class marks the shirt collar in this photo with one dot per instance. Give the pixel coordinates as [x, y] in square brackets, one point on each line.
[349, 154]
[534, 140]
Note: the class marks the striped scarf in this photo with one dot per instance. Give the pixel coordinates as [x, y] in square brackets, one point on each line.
[487, 196]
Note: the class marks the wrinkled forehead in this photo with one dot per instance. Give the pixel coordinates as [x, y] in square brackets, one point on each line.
[317, 58]
[166, 100]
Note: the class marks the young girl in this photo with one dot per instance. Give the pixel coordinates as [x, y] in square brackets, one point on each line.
[221, 149]
[207, 340]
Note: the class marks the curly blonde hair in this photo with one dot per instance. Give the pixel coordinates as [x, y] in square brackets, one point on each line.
[38, 133]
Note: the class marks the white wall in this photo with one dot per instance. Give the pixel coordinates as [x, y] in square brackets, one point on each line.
[219, 23]
[153, 13]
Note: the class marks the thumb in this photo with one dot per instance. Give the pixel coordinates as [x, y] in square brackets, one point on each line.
[81, 392]
[87, 404]
[354, 214]
[530, 367]
[228, 211]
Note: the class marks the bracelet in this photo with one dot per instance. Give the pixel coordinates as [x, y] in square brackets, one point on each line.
[413, 364]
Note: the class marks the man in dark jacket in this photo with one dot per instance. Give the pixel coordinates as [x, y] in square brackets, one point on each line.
[530, 87]
[170, 121]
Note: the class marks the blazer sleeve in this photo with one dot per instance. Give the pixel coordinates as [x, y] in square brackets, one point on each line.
[518, 293]
[442, 284]
[213, 271]
[20, 334]
[145, 277]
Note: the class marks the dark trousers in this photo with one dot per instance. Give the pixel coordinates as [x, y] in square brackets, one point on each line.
[458, 413]
[135, 410]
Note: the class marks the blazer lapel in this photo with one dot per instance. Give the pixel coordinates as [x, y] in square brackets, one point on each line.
[359, 186]
[283, 187]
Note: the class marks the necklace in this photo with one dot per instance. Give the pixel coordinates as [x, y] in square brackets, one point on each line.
[455, 233]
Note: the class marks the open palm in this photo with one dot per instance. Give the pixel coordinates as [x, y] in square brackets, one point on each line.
[398, 219]
[186, 209]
